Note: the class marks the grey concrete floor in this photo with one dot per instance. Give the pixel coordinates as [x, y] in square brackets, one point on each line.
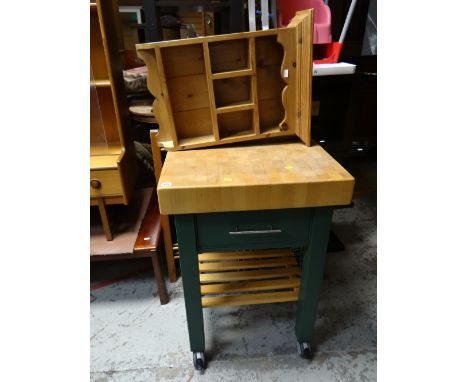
[134, 338]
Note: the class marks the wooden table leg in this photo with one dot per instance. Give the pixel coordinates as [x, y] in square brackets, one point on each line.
[166, 227]
[159, 276]
[186, 235]
[169, 252]
[104, 219]
[312, 273]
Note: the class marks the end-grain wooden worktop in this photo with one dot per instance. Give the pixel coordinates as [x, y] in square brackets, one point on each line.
[259, 177]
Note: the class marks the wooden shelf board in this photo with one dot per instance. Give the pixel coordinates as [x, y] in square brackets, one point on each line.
[100, 162]
[237, 106]
[110, 149]
[104, 157]
[270, 130]
[243, 133]
[249, 275]
[196, 140]
[250, 299]
[246, 264]
[100, 83]
[232, 74]
[244, 255]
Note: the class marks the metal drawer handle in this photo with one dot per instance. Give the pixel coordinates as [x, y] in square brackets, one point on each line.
[262, 231]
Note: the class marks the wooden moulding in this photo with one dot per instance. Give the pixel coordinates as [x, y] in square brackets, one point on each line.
[245, 278]
[230, 88]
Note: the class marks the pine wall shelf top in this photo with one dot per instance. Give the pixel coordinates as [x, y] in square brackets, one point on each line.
[229, 88]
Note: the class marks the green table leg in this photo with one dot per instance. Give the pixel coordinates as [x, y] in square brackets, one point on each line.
[312, 273]
[186, 237]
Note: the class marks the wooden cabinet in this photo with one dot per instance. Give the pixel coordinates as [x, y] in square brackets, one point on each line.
[229, 88]
[112, 157]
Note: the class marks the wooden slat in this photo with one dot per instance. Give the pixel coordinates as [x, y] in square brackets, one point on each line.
[245, 264]
[232, 74]
[253, 85]
[249, 299]
[235, 107]
[243, 255]
[248, 275]
[250, 286]
[211, 96]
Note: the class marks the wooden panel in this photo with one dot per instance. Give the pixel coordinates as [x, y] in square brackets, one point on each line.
[188, 92]
[248, 275]
[250, 299]
[229, 55]
[271, 113]
[270, 176]
[110, 183]
[268, 51]
[183, 60]
[270, 83]
[231, 90]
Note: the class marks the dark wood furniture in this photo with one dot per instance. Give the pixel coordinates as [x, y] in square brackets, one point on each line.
[231, 15]
[137, 236]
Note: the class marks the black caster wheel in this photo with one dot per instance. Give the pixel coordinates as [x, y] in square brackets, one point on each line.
[304, 350]
[199, 361]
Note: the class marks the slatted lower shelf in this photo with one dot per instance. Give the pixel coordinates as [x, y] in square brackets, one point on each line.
[246, 278]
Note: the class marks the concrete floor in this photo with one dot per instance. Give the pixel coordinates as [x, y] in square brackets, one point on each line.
[134, 338]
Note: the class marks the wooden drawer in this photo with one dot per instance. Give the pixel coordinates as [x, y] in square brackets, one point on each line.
[253, 229]
[105, 183]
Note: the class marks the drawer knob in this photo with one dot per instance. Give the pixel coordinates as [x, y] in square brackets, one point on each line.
[95, 184]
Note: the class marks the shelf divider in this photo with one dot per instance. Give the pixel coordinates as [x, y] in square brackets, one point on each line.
[211, 96]
[233, 73]
[253, 84]
[249, 105]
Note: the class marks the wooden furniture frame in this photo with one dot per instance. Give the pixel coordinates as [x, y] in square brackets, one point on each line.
[146, 245]
[229, 205]
[229, 88]
[112, 157]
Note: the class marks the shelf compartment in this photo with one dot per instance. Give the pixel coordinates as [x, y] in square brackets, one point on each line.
[251, 277]
[235, 73]
[230, 91]
[183, 60]
[193, 123]
[235, 124]
[270, 85]
[229, 55]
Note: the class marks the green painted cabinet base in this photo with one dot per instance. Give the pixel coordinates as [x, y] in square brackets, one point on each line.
[231, 231]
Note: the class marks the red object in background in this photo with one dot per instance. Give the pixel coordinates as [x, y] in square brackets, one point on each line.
[322, 17]
[327, 53]
[324, 51]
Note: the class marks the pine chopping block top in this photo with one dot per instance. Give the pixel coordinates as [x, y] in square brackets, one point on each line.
[257, 177]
